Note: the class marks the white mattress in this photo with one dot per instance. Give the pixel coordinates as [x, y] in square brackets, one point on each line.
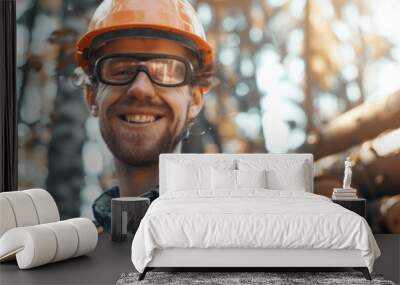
[256, 218]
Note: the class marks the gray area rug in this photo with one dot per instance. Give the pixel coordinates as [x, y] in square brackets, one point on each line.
[228, 278]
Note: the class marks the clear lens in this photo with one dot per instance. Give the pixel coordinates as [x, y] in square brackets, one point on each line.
[118, 69]
[167, 71]
[121, 70]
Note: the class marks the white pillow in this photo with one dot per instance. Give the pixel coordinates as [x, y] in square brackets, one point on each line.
[223, 179]
[293, 180]
[251, 178]
[182, 177]
[281, 174]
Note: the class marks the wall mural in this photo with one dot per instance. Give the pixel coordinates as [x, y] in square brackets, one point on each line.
[291, 76]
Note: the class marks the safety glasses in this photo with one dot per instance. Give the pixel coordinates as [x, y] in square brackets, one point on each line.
[162, 69]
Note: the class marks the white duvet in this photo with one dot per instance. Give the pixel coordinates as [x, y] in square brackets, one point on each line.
[253, 218]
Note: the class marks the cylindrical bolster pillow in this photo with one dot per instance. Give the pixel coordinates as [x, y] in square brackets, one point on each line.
[87, 235]
[67, 240]
[34, 245]
[26, 208]
[41, 244]
[45, 205]
[7, 218]
[23, 208]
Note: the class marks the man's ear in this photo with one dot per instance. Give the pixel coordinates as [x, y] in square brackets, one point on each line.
[90, 99]
[196, 104]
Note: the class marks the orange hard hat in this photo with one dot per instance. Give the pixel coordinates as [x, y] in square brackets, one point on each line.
[171, 19]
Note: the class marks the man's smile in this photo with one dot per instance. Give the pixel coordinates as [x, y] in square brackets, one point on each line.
[140, 118]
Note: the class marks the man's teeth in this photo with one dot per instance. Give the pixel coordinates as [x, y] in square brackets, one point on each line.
[140, 118]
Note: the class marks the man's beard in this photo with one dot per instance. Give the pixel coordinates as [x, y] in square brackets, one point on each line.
[145, 155]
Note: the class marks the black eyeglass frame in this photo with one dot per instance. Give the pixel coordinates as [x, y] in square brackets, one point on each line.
[190, 73]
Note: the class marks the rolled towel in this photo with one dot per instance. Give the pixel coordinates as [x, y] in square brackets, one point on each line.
[40, 244]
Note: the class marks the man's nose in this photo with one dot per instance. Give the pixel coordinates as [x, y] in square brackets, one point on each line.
[142, 88]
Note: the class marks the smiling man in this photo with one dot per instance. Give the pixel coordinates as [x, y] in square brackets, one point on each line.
[149, 67]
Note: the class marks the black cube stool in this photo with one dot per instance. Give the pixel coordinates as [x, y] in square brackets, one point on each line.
[126, 214]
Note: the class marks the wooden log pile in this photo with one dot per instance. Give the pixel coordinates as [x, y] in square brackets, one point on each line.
[361, 123]
[370, 135]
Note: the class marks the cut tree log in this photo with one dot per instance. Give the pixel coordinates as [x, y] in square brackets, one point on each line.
[375, 176]
[361, 123]
[376, 166]
[390, 210]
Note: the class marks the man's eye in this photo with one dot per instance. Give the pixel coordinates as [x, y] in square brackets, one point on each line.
[180, 70]
[122, 72]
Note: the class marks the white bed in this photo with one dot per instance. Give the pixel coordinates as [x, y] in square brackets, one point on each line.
[202, 220]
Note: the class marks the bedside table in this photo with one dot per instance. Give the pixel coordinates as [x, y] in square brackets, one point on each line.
[126, 214]
[356, 205]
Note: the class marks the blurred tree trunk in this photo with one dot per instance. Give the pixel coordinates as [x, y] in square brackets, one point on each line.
[29, 18]
[66, 173]
[226, 128]
[248, 47]
[308, 91]
[36, 86]
[361, 123]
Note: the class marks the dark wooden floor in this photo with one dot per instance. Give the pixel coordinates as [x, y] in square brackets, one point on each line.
[106, 264]
[389, 262]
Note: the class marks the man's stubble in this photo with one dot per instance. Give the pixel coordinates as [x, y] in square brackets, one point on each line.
[137, 156]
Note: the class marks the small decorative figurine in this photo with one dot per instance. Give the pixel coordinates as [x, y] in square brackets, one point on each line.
[346, 192]
[347, 174]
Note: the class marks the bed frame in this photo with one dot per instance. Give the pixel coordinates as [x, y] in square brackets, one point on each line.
[246, 259]
[250, 258]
